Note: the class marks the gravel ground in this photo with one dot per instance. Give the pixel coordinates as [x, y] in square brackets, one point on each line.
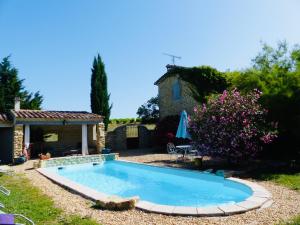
[286, 202]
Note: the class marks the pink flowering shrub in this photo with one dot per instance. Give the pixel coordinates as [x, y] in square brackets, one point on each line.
[231, 125]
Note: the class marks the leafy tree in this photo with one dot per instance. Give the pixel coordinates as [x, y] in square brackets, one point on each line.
[99, 95]
[276, 72]
[203, 80]
[11, 86]
[149, 112]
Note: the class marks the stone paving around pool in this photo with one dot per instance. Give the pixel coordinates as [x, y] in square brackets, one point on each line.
[285, 201]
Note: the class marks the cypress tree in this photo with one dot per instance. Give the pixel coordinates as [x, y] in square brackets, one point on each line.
[99, 95]
[2, 102]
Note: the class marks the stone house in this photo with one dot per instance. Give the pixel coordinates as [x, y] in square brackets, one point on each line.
[57, 132]
[174, 94]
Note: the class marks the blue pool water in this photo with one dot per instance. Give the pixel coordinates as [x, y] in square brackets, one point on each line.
[166, 186]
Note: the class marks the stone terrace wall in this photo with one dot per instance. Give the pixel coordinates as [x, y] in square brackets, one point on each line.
[167, 105]
[117, 140]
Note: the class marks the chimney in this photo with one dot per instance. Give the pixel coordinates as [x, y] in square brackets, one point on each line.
[17, 103]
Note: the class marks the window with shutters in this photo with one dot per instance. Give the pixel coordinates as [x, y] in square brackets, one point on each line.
[176, 90]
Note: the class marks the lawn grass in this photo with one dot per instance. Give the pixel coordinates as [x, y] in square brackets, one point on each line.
[291, 181]
[283, 176]
[294, 221]
[31, 202]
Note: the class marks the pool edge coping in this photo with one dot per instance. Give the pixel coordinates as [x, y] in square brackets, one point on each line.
[258, 198]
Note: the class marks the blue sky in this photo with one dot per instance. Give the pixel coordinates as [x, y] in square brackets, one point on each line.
[53, 43]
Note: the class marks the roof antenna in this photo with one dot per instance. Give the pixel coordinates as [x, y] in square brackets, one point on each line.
[173, 57]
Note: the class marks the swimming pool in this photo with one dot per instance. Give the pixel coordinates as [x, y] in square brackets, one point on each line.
[158, 185]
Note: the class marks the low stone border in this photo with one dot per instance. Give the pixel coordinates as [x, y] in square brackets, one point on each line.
[71, 160]
[258, 199]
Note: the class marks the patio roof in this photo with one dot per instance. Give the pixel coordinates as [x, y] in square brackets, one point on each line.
[4, 118]
[25, 115]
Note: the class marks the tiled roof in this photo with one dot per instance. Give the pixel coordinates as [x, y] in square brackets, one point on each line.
[56, 115]
[3, 117]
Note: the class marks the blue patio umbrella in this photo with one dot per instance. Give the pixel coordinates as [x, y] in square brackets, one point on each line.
[182, 130]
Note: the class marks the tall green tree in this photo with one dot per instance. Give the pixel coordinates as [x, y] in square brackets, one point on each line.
[99, 95]
[276, 72]
[11, 86]
[149, 111]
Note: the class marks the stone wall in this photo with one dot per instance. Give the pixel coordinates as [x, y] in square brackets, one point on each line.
[146, 137]
[120, 138]
[169, 106]
[117, 139]
[100, 143]
[18, 140]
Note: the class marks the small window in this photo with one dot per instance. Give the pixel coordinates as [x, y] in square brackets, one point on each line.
[51, 137]
[176, 90]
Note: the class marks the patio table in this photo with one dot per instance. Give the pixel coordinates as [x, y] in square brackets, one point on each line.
[184, 149]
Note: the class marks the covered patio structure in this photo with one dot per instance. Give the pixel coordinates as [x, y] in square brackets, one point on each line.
[58, 132]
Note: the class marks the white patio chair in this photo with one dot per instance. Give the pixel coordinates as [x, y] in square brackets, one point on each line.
[172, 150]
